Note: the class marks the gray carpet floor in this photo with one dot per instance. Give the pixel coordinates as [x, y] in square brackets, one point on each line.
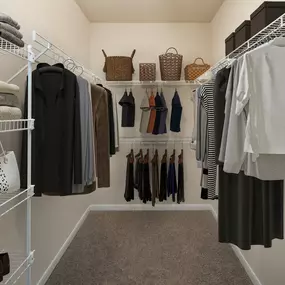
[149, 248]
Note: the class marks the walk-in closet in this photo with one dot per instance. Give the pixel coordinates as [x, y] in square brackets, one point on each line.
[142, 142]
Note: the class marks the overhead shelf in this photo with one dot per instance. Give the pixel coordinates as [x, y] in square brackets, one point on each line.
[19, 264]
[8, 47]
[272, 31]
[10, 201]
[150, 83]
[16, 125]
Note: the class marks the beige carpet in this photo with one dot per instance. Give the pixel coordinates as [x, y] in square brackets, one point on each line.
[149, 248]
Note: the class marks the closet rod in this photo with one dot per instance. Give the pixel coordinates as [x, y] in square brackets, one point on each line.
[44, 42]
[159, 141]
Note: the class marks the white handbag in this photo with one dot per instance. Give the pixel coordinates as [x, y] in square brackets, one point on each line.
[9, 172]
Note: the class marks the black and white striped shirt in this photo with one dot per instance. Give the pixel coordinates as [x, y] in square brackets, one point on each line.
[207, 100]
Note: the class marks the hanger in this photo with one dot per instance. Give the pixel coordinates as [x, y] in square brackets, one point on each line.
[47, 69]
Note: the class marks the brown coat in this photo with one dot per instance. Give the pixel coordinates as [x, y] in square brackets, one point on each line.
[101, 134]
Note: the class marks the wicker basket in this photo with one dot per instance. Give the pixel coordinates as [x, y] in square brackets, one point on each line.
[147, 71]
[194, 70]
[170, 65]
[119, 68]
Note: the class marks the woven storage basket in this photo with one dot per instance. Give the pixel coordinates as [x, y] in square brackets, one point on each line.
[194, 70]
[170, 65]
[119, 68]
[147, 71]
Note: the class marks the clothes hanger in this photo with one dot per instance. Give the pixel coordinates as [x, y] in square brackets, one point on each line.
[53, 69]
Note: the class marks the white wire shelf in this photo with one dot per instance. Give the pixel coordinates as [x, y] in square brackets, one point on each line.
[19, 264]
[155, 140]
[10, 201]
[7, 47]
[150, 83]
[273, 30]
[16, 125]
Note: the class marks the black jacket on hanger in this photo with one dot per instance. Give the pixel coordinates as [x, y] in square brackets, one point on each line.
[56, 139]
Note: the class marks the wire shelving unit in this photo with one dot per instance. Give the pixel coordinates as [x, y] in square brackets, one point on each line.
[272, 31]
[20, 263]
[158, 83]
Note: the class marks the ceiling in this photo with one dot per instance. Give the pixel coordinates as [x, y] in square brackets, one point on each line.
[149, 11]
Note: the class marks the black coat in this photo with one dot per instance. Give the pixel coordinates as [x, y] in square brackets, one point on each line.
[56, 139]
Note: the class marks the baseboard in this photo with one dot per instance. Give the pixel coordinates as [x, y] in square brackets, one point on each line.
[238, 252]
[62, 250]
[148, 207]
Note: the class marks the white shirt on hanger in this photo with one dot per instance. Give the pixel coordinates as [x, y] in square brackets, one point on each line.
[262, 87]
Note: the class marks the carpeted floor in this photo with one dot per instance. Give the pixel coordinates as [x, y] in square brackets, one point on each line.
[149, 248]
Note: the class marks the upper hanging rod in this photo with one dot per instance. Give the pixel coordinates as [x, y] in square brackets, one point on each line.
[273, 30]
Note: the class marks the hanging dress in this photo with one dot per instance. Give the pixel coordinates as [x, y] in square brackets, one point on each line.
[176, 113]
[146, 190]
[180, 191]
[129, 186]
[163, 179]
[128, 109]
[171, 179]
[145, 108]
[158, 109]
[152, 114]
[163, 115]
[155, 178]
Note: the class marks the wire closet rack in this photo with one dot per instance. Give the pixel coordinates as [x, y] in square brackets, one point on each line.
[20, 263]
[272, 31]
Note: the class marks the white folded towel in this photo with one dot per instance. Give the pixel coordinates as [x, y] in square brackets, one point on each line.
[8, 88]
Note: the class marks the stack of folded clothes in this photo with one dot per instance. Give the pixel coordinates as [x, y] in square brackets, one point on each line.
[9, 30]
[4, 264]
[9, 102]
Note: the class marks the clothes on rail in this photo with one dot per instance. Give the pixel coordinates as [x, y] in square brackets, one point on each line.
[176, 113]
[128, 109]
[154, 114]
[154, 184]
[247, 148]
[71, 136]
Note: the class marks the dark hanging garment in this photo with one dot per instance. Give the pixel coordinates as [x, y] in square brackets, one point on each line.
[159, 108]
[146, 190]
[155, 178]
[163, 179]
[128, 109]
[56, 139]
[176, 113]
[163, 115]
[180, 191]
[250, 209]
[171, 180]
[111, 121]
[129, 187]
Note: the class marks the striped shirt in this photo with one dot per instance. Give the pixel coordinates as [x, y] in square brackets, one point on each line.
[207, 100]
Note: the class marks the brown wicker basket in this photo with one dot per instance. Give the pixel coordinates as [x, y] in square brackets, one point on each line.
[194, 70]
[119, 68]
[170, 65]
[147, 71]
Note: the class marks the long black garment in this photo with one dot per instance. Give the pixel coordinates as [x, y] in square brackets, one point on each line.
[129, 186]
[146, 189]
[171, 180]
[56, 139]
[158, 108]
[111, 121]
[250, 210]
[180, 191]
[163, 179]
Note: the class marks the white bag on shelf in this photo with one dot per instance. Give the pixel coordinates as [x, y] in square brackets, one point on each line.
[9, 172]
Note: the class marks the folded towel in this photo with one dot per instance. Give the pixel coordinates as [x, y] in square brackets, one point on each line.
[11, 30]
[8, 88]
[7, 19]
[10, 113]
[11, 38]
[7, 99]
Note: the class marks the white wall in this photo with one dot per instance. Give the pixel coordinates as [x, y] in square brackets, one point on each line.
[53, 218]
[268, 264]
